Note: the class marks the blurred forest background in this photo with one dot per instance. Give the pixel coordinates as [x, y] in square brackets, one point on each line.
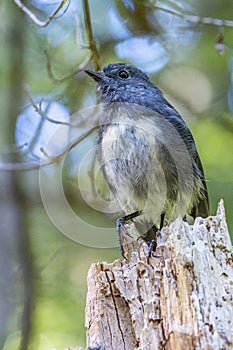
[45, 250]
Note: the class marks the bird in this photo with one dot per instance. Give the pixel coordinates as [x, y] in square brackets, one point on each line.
[146, 153]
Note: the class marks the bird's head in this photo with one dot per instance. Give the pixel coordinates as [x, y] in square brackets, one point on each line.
[120, 82]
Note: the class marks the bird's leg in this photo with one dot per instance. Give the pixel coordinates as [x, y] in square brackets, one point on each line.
[162, 217]
[153, 243]
[120, 224]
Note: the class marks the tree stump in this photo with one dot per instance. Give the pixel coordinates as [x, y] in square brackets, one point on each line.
[181, 298]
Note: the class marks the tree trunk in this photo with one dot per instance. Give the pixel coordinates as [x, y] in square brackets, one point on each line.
[182, 298]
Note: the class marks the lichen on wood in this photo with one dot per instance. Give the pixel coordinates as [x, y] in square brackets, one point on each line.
[180, 298]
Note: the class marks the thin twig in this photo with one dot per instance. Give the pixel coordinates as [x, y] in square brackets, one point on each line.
[34, 18]
[198, 19]
[43, 151]
[54, 160]
[42, 113]
[70, 75]
[14, 148]
[91, 42]
[79, 38]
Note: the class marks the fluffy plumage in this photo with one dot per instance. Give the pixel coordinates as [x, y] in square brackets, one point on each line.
[146, 151]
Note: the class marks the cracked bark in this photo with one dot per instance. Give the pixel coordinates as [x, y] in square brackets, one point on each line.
[182, 298]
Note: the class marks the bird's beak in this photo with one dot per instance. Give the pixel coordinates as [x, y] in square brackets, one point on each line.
[94, 75]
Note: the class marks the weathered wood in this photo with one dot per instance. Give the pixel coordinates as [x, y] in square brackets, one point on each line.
[182, 298]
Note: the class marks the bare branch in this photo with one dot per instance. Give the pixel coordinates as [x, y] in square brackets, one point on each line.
[34, 18]
[53, 160]
[42, 113]
[219, 43]
[198, 19]
[70, 75]
[14, 148]
[43, 151]
[79, 38]
[91, 42]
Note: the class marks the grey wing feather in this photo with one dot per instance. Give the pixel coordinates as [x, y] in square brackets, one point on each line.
[202, 207]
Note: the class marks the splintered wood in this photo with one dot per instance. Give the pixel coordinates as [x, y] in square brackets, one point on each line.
[181, 298]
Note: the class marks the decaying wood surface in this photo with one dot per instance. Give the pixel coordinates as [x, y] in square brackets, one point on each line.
[182, 298]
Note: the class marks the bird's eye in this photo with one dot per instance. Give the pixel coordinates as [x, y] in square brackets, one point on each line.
[123, 74]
